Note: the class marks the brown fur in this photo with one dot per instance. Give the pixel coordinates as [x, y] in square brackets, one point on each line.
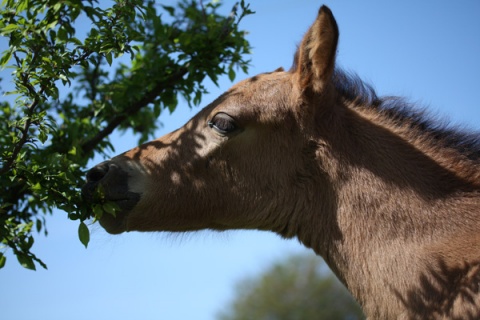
[391, 203]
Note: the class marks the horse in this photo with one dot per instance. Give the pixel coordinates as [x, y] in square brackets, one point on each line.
[389, 198]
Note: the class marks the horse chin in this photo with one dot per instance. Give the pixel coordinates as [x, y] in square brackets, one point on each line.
[117, 223]
[114, 225]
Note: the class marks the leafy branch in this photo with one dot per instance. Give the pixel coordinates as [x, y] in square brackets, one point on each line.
[50, 132]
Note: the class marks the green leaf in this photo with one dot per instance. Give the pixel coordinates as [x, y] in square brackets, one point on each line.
[42, 136]
[76, 41]
[8, 29]
[169, 9]
[26, 261]
[44, 266]
[84, 234]
[22, 5]
[111, 208]
[5, 58]
[39, 225]
[231, 74]
[29, 243]
[36, 187]
[62, 34]
[97, 211]
[3, 260]
[109, 58]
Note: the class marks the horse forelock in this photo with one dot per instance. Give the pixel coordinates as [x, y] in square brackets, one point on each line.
[403, 113]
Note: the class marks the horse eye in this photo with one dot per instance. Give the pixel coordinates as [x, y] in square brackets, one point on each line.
[222, 123]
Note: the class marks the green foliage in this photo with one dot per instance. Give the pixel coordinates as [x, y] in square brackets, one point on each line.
[47, 137]
[298, 288]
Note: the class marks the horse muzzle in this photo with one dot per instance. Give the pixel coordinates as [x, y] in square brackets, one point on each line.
[107, 181]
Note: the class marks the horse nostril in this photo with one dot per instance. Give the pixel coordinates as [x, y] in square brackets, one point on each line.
[97, 173]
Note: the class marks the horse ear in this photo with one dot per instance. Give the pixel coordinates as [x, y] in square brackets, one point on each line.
[314, 61]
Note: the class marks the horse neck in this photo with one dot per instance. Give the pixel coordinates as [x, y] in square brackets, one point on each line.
[396, 214]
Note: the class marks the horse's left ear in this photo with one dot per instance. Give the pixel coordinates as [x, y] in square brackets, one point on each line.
[315, 58]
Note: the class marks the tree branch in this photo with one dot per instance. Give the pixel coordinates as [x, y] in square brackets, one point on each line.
[147, 98]
[8, 163]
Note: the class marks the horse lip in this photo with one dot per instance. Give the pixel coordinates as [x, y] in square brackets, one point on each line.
[126, 201]
[109, 182]
[116, 223]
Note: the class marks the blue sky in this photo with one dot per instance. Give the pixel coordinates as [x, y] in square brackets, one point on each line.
[427, 51]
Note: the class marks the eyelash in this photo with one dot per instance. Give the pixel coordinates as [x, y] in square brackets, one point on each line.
[222, 123]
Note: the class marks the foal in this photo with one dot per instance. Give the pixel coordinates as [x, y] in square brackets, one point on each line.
[388, 200]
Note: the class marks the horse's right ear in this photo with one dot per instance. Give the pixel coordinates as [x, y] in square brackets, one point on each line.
[315, 58]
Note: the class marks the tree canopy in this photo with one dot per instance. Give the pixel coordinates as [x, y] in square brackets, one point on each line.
[67, 86]
[300, 287]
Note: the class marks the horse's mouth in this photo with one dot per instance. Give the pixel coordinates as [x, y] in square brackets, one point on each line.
[116, 222]
[109, 185]
[114, 219]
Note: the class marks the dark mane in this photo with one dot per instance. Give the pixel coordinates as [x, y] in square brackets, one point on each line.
[361, 94]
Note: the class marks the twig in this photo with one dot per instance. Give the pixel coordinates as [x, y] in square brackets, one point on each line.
[7, 165]
[149, 97]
